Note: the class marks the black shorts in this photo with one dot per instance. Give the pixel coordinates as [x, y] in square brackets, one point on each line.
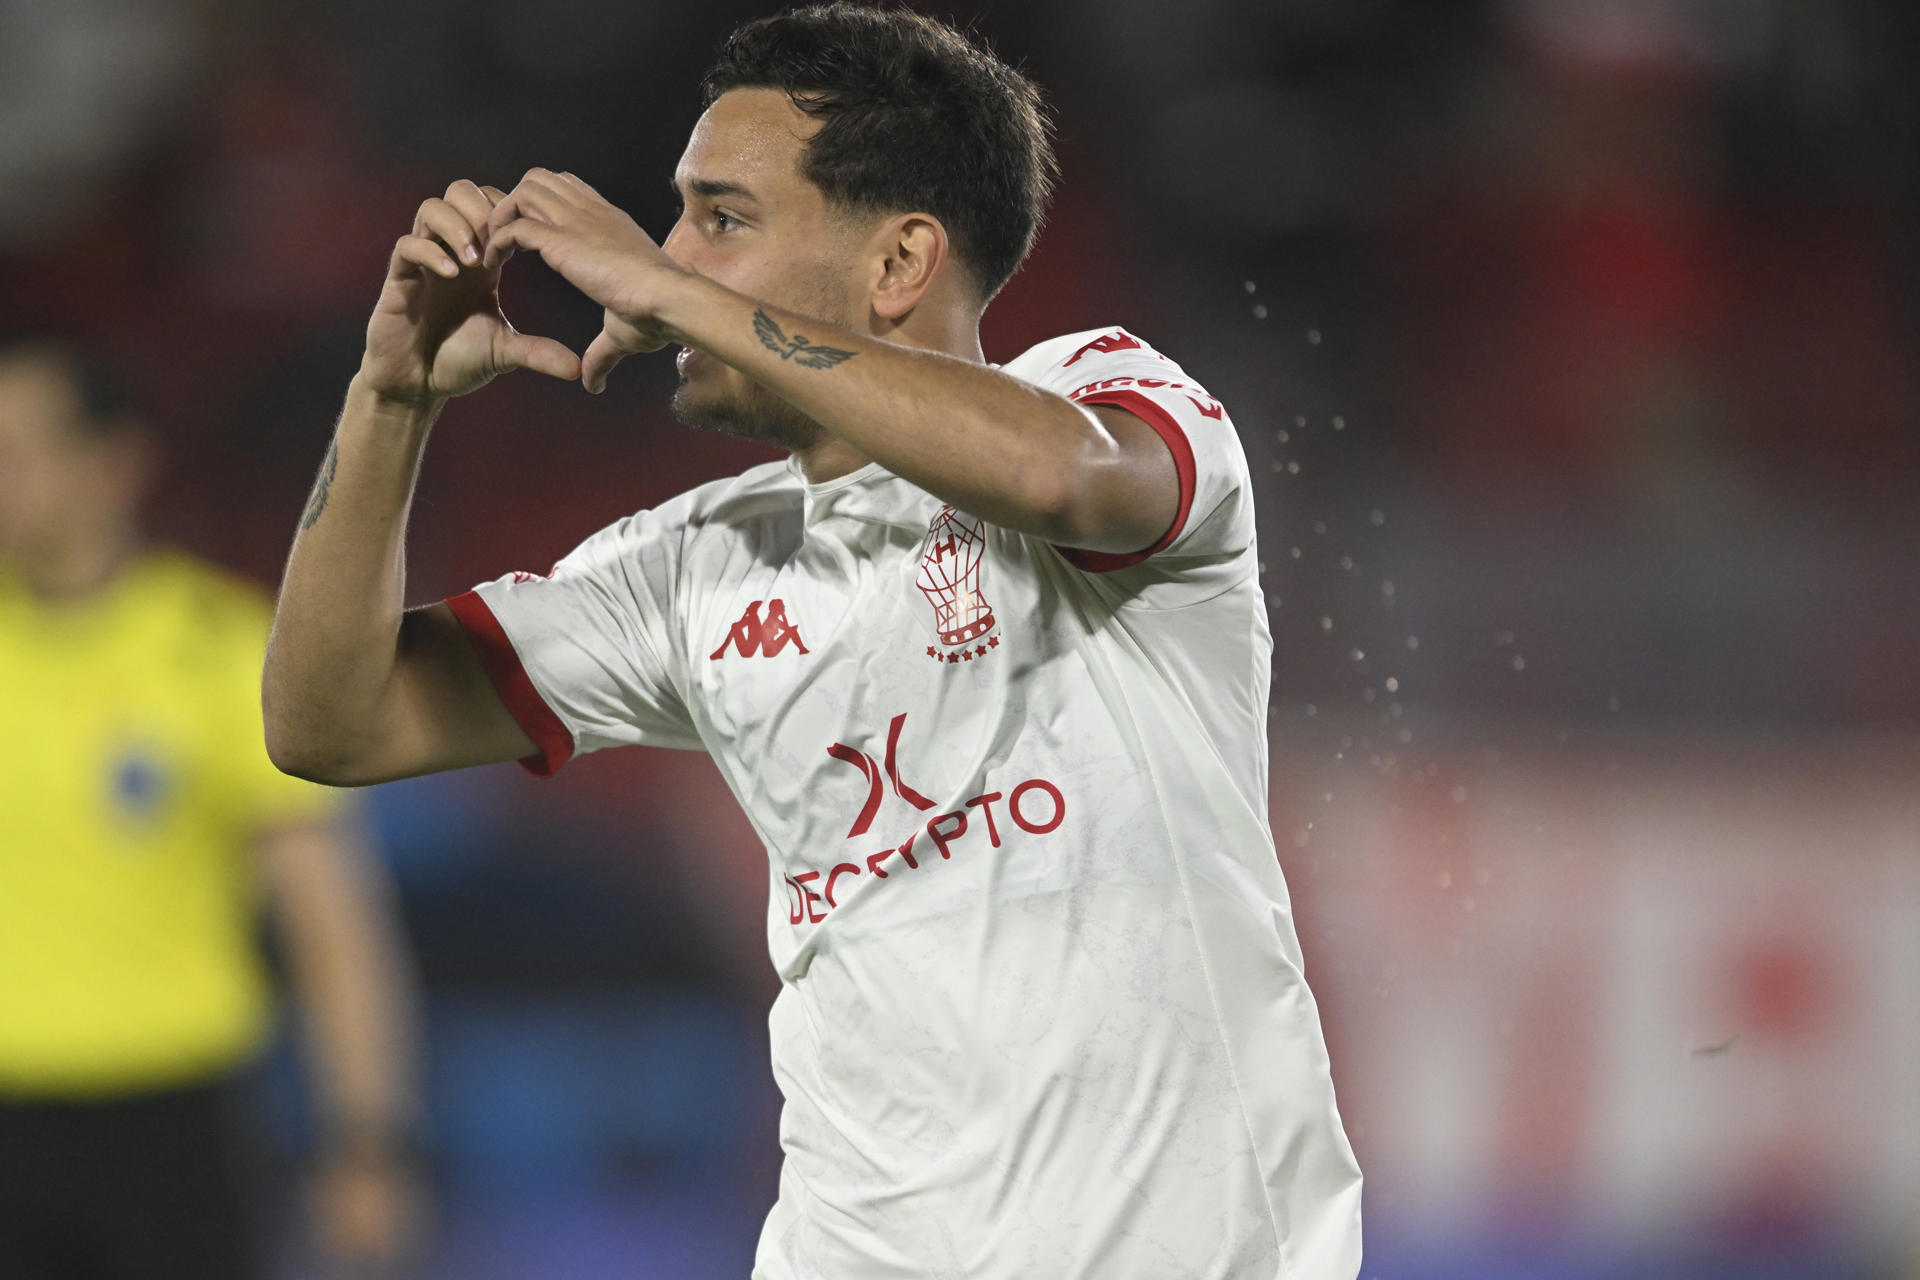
[149, 1186]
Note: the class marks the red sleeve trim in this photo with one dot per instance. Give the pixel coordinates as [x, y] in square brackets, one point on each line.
[1143, 408]
[530, 711]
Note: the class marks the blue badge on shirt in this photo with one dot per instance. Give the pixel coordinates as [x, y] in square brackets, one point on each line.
[139, 784]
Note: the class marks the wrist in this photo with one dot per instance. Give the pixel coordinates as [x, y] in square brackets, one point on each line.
[685, 307]
[416, 412]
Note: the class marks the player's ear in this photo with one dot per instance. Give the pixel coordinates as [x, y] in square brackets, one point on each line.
[910, 252]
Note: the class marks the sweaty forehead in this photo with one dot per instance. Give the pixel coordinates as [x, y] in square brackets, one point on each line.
[749, 138]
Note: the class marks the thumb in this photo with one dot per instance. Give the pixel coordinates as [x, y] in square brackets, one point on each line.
[542, 355]
[602, 354]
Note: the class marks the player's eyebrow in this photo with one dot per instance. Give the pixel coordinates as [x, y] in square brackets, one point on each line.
[711, 189]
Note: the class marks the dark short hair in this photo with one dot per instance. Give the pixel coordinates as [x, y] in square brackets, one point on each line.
[916, 116]
[98, 382]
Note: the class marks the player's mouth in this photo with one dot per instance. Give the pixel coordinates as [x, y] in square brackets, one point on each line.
[686, 359]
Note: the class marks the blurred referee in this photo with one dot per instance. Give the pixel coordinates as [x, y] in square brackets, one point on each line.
[141, 826]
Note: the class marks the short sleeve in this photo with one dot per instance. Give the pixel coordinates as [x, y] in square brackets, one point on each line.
[1112, 367]
[585, 657]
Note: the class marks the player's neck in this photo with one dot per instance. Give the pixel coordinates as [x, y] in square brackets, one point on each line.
[80, 565]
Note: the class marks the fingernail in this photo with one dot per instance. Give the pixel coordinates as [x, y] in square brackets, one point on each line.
[473, 254]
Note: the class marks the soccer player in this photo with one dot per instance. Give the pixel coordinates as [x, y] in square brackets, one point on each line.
[140, 823]
[985, 661]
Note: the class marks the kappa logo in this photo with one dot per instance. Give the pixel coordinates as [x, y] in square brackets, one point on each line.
[762, 637]
[1106, 343]
[950, 562]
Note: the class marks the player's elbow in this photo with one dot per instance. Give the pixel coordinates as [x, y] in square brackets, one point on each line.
[297, 749]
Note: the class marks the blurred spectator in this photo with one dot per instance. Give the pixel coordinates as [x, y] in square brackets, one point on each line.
[140, 821]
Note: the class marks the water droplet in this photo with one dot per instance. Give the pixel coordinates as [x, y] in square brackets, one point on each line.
[1393, 710]
[1467, 903]
[1293, 468]
[1299, 419]
[1248, 285]
[1279, 465]
[1367, 695]
[1406, 735]
[1328, 798]
[1386, 587]
[1483, 876]
[1346, 562]
[1282, 436]
[1339, 423]
[1393, 685]
[1313, 336]
[1519, 663]
[1294, 552]
[1312, 710]
[1459, 795]
[1445, 879]
[1259, 311]
[1413, 642]
[1359, 655]
[1319, 528]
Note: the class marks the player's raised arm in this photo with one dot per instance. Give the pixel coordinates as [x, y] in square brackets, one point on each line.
[899, 381]
[356, 689]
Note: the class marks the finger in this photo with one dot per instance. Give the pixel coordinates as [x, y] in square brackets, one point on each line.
[449, 226]
[472, 204]
[494, 195]
[504, 241]
[508, 205]
[427, 254]
[602, 354]
[542, 355]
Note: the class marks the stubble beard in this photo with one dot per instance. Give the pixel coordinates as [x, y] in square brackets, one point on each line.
[754, 413]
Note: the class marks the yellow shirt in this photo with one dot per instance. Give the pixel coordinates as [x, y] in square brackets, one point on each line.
[133, 780]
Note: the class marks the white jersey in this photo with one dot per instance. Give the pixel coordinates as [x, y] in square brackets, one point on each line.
[1042, 1010]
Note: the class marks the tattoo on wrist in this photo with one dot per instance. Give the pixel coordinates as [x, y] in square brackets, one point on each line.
[797, 348]
[321, 487]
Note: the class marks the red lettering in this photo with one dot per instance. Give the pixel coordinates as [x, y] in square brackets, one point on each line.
[985, 803]
[759, 637]
[1059, 806]
[835, 874]
[1211, 409]
[794, 915]
[863, 762]
[1108, 343]
[943, 838]
[905, 851]
[1151, 382]
[905, 792]
[800, 882]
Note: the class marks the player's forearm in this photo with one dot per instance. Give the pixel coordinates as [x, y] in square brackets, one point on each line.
[973, 436]
[337, 626]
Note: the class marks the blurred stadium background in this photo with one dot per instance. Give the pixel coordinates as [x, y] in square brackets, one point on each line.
[1573, 343]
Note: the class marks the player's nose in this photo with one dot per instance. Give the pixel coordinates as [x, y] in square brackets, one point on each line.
[680, 245]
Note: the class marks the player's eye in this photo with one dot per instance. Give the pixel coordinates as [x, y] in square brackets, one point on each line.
[724, 221]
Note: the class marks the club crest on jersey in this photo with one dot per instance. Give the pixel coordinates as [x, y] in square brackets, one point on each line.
[950, 561]
[759, 636]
